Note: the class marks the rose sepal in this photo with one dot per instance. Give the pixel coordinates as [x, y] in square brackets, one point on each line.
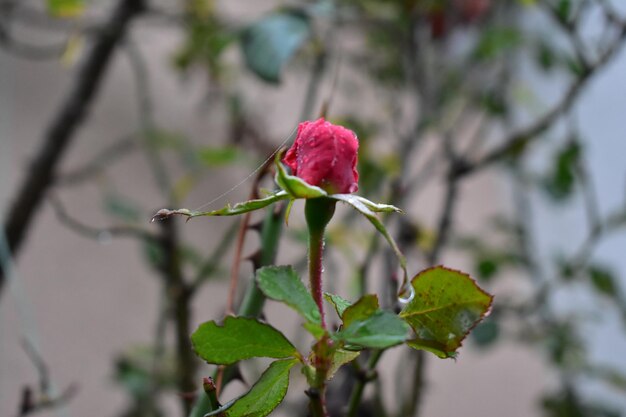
[294, 186]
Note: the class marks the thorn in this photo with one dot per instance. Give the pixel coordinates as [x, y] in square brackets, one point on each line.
[256, 226]
[255, 258]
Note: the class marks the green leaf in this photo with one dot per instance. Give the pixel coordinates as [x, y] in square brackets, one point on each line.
[546, 56]
[563, 10]
[446, 306]
[239, 208]
[238, 339]
[495, 41]
[376, 207]
[216, 156]
[282, 283]
[316, 330]
[603, 280]
[365, 209]
[271, 42]
[340, 358]
[561, 180]
[66, 8]
[121, 208]
[266, 394]
[487, 267]
[486, 333]
[338, 302]
[295, 186]
[381, 330]
[361, 310]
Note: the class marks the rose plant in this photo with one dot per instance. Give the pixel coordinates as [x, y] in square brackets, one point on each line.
[438, 307]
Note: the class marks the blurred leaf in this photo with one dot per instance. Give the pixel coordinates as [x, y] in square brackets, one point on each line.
[564, 9]
[122, 208]
[165, 139]
[217, 156]
[282, 283]
[486, 333]
[610, 375]
[134, 369]
[339, 303]
[73, 46]
[66, 8]
[381, 330]
[207, 39]
[564, 345]
[240, 338]
[560, 181]
[182, 187]
[365, 307]
[446, 306]
[568, 403]
[546, 56]
[574, 66]
[200, 8]
[494, 103]
[154, 254]
[603, 280]
[271, 42]
[340, 358]
[496, 40]
[266, 394]
[486, 268]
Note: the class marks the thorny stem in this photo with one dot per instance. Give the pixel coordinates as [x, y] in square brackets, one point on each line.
[318, 212]
[316, 250]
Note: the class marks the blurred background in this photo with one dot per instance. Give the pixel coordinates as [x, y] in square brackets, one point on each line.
[497, 126]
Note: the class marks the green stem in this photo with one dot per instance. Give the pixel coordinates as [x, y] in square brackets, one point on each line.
[359, 387]
[317, 402]
[318, 212]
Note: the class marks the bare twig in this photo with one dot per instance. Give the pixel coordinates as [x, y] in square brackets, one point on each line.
[42, 400]
[91, 232]
[98, 163]
[523, 137]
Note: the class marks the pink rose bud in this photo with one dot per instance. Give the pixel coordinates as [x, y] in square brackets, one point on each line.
[325, 155]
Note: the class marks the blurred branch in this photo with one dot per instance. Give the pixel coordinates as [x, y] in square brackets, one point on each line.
[523, 137]
[147, 124]
[32, 403]
[98, 163]
[64, 125]
[179, 294]
[94, 232]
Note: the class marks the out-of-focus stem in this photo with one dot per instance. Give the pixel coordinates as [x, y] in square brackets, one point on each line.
[254, 299]
[359, 386]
